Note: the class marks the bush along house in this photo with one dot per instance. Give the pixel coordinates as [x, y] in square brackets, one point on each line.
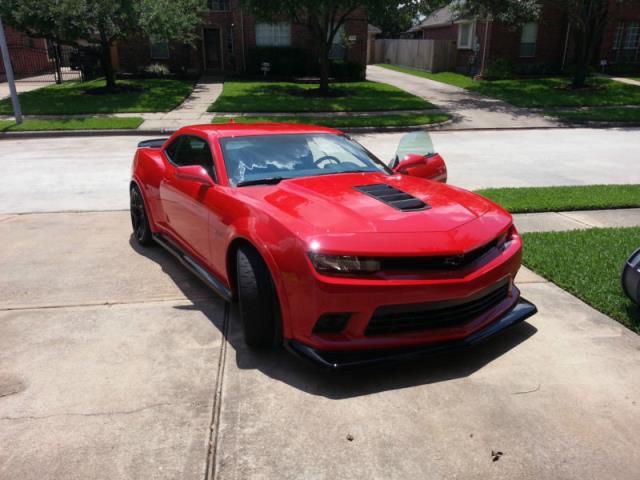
[535, 48]
[232, 41]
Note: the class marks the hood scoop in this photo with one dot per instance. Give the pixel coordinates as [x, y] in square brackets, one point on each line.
[393, 197]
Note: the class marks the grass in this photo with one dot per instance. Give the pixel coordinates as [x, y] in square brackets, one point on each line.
[88, 123]
[157, 95]
[296, 97]
[555, 199]
[396, 120]
[541, 92]
[599, 115]
[451, 78]
[587, 263]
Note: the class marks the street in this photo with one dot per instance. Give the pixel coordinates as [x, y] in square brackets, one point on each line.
[91, 173]
[115, 362]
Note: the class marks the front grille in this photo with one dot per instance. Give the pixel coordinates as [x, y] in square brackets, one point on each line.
[393, 197]
[423, 264]
[395, 319]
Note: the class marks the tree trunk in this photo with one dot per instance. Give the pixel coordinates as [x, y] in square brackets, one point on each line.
[56, 60]
[324, 70]
[106, 63]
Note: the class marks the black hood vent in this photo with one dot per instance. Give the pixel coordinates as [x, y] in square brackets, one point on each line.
[393, 197]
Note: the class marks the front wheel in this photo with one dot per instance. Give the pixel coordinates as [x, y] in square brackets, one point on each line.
[139, 219]
[259, 307]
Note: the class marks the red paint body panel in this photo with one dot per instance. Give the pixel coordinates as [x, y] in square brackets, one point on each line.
[285, 222]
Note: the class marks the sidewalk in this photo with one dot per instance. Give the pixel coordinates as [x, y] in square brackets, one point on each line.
[192, 111]
[578, 220]
[469, 110]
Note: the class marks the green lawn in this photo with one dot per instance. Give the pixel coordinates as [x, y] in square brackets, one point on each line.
[451, 78]
[399, 120]
[587, 263]
[296, 97]
[542, 92]
[158, 95]
[87, 123]
[555, 199]
[599, 115]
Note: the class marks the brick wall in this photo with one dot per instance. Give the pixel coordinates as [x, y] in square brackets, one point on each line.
[28, 55]
[238, 33]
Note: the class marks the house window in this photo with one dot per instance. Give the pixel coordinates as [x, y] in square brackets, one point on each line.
[617, 42]
[338, 47]
[465, 35]
[219, 5]
[632, 36]
[159, 47]
[528, 39]
[273, 34]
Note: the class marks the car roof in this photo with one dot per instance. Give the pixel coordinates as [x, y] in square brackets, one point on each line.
[249, 129]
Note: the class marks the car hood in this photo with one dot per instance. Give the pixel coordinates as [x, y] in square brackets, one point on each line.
[332, 204]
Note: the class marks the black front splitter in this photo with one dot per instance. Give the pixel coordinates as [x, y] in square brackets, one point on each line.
[359, 358]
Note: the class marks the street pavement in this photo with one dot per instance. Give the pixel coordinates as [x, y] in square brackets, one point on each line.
[469, 109]
[91, 173]
[116, 363]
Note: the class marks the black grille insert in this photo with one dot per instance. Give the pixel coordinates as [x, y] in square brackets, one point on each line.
[393, 197]
[425, 264]
[395, 319]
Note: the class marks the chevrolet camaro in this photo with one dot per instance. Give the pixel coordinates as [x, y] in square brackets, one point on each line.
[329, 251]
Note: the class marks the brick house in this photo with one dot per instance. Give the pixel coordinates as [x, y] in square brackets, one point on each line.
[545, 44]
[29, 56]
[229, 36]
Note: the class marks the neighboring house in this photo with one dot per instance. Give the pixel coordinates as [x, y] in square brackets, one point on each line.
[545, 44]
[29, 56]
[231, 39]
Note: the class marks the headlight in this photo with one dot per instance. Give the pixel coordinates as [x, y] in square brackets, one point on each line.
[343, 264]
[504, 241]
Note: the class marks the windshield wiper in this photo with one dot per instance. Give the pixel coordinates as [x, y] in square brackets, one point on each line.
[260, 181]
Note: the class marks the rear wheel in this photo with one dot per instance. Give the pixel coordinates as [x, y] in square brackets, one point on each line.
[259, 307]
[139, 219]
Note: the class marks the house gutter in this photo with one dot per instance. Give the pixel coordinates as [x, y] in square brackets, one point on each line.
[566, 47]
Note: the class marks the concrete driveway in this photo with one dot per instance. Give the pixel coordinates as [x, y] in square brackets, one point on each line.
[116, 363]
[469, 109]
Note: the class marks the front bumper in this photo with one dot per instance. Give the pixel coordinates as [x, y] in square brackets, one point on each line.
[339, 360]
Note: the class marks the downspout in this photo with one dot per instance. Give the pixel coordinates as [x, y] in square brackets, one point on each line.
[484, 48]
[566, 48]
[244, 52]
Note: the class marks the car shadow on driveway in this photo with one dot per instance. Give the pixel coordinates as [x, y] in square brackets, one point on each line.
[284, 367]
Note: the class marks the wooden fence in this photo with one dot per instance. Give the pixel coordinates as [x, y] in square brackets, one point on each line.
[430, 55]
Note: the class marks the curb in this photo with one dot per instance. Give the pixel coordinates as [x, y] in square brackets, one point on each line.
[441, 127]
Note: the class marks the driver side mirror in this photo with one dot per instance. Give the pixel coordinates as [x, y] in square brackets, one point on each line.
[194, 173]
[430, 167]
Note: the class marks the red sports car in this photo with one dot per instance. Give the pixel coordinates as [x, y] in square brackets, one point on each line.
[330, 252]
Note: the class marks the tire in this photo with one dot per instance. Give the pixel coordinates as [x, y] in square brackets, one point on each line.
[259, 307]
[139, 219]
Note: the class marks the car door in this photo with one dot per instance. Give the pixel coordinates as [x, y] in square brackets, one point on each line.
[184, 201]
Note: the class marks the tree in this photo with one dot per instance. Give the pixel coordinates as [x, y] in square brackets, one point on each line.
[394, 19]
[99, 23]
[588, 20]
[323, 18]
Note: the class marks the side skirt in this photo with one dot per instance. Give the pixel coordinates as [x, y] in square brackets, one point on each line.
[194, 267]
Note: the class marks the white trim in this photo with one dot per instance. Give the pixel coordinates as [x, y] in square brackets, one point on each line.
[472, 33]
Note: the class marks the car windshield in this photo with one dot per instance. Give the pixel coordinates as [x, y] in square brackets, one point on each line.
[269, 158]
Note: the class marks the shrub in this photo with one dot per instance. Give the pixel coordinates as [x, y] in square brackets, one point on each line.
[285, 61]
[350, 71]
[156, 70]
[501, 69]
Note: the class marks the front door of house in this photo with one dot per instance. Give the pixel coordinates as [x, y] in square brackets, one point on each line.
[212, 49]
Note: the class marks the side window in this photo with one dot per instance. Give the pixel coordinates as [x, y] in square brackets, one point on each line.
[172, 149]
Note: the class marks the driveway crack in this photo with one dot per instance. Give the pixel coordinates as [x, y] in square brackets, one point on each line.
[210, 470]
[88, 414]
